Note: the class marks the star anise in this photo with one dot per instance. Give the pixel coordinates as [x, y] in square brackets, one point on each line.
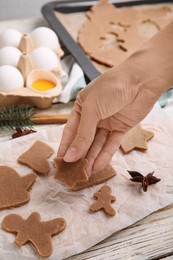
[145, 180]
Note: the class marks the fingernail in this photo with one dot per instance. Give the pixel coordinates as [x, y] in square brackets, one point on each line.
[70, 155]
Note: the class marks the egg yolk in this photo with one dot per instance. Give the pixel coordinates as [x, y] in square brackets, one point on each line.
[43, 85]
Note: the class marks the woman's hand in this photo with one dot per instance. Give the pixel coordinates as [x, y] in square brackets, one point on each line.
[115, 102]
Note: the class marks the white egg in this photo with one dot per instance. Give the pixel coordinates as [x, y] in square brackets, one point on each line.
[10, 79]
[9, 56]
[10, 37]
[44, 58]
[43, 36]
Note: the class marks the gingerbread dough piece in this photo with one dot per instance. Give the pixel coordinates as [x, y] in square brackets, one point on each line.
[36, 157]
[96, 178]
[104, 200]
[122, 30]
[136, 139]
[14, 188]
[35, 231]
[70, 173]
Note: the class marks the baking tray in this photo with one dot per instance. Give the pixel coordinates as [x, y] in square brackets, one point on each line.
[67, 41]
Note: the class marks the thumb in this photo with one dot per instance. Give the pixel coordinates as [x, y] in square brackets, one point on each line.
[85, 135]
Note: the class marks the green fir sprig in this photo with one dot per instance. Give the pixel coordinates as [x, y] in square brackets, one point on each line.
[13, 117]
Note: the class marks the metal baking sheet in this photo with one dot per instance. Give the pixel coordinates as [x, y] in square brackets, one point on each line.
[66, 39]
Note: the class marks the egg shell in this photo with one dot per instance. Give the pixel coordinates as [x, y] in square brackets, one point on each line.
[44, 36]
[9, 56]
[10, 37]
[44, 58]
[35, 75]
[10, 79]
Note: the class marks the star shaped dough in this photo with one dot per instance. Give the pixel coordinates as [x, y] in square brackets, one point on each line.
[70, 172]
[136, 139]
[14, 188]
[36, 157]
[33, 230]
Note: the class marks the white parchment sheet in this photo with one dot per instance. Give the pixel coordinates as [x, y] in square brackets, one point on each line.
[51, 199]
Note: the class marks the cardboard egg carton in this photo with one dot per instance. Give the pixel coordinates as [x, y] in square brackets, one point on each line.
[27, 95]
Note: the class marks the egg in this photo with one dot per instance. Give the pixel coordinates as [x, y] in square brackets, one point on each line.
[9, 56]
[44, 58]
[10, 37]
[43, 81]
[43, 36]
[10, 79]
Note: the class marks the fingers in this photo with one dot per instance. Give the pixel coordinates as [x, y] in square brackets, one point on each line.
[69, 132]
[111, 146]
[97, 145]
[84, 136]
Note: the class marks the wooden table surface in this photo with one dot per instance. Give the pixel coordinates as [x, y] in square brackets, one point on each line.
[149, 238]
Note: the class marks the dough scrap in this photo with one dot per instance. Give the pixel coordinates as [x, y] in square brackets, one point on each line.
[111, 34]
[96, 178]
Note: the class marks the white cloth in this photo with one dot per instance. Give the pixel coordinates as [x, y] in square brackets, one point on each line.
[74, 81]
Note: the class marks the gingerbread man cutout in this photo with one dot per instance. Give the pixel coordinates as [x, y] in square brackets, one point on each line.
[32, 229]
[104, 200]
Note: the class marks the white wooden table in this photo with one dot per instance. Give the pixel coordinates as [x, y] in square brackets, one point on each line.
[149, 238]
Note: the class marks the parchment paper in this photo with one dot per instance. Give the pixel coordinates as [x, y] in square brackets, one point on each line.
[51, 199]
